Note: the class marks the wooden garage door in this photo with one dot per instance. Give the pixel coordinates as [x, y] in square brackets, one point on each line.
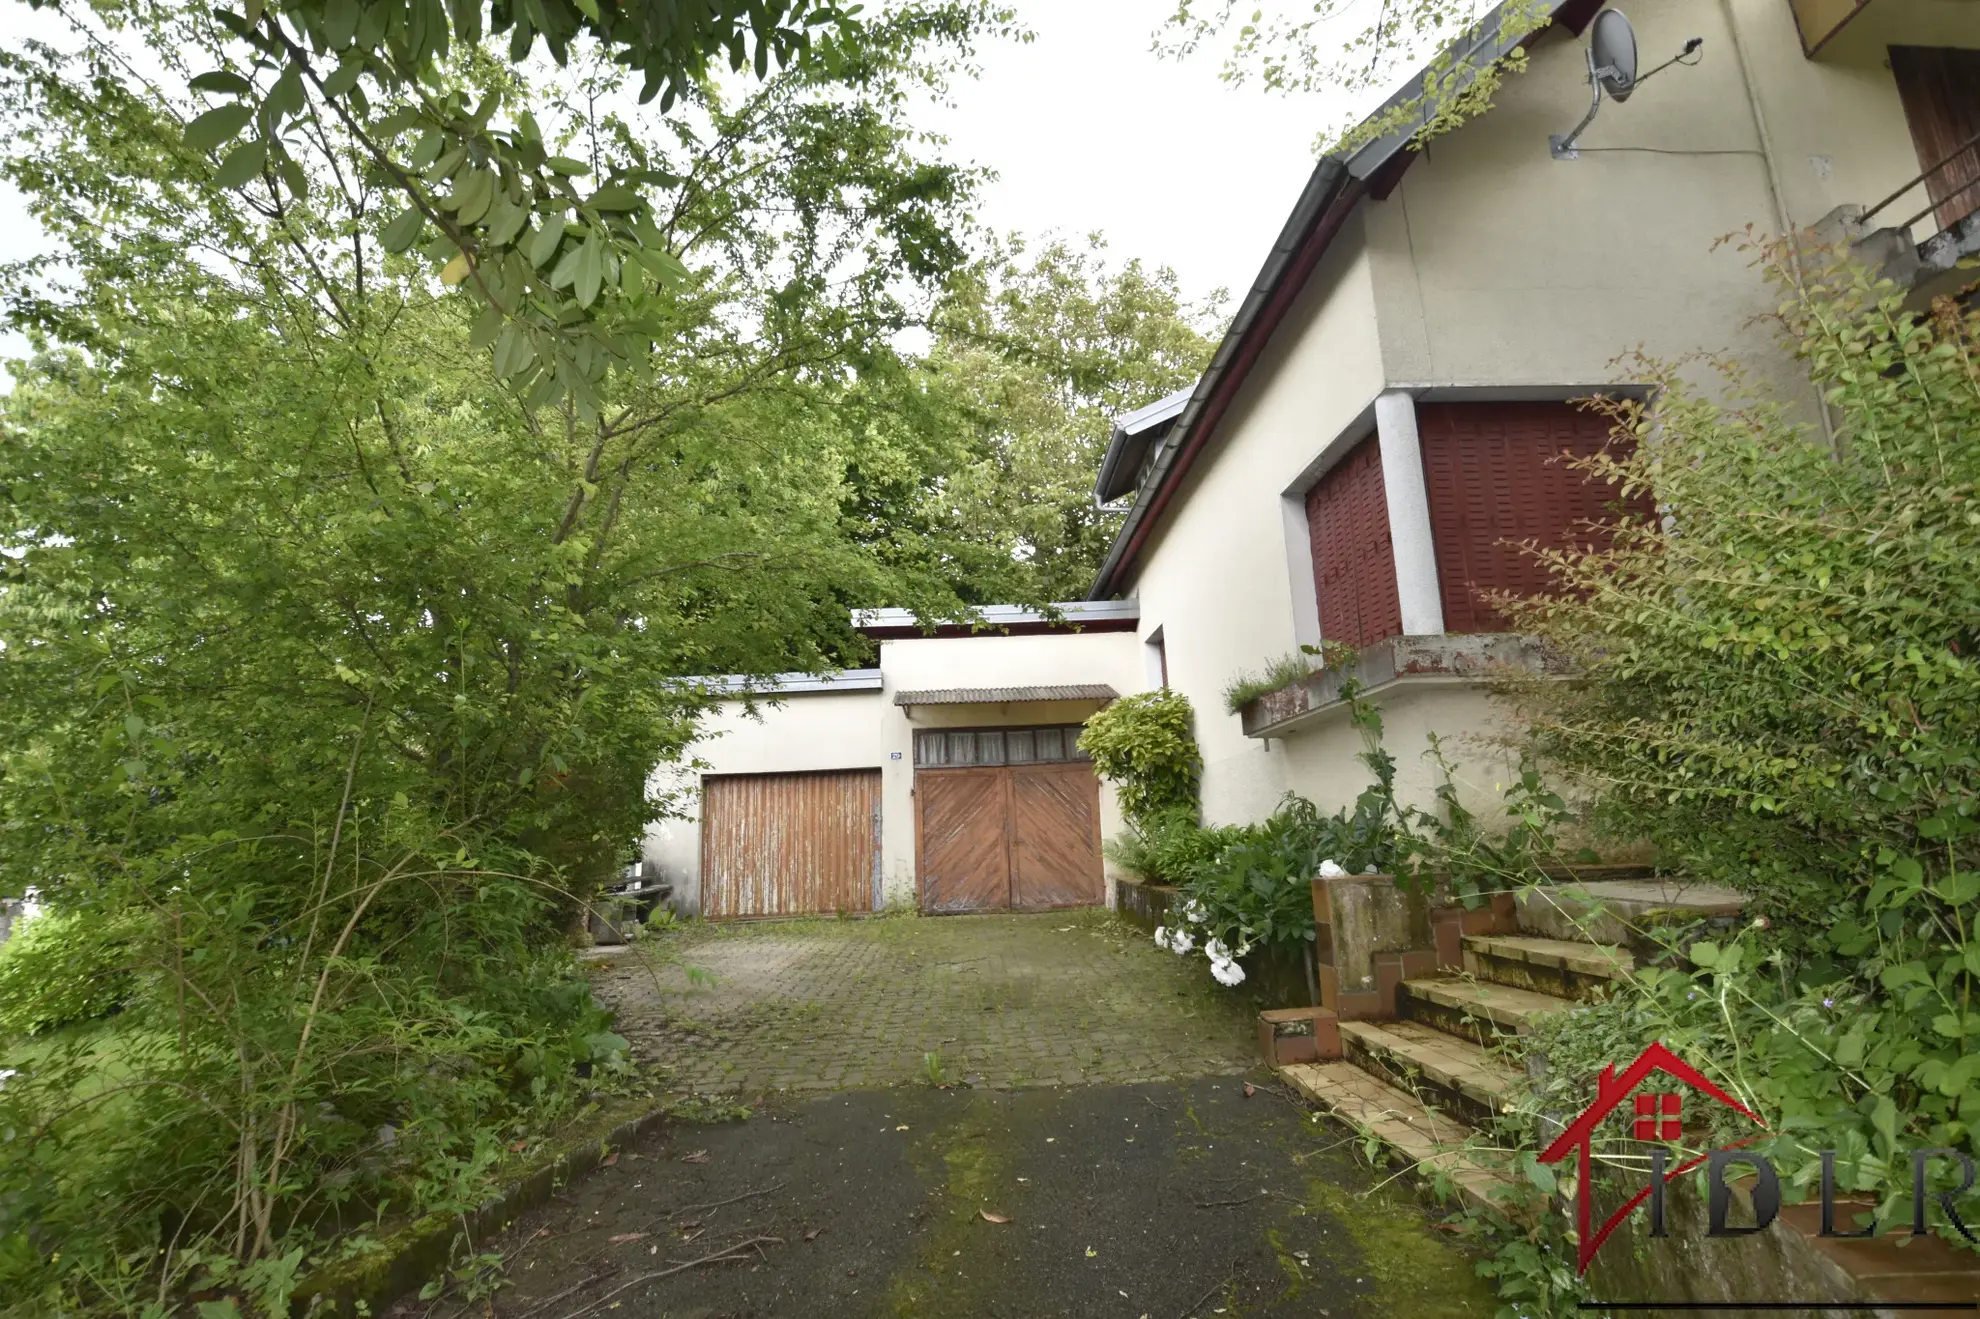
[789, 844]
[1006, 820]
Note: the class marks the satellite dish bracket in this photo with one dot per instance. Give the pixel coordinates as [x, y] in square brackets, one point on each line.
[1561, 145]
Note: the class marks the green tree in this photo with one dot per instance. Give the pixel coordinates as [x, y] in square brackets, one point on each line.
[333, 663]
[1307, 46]
[1034, 356]
[556, 248]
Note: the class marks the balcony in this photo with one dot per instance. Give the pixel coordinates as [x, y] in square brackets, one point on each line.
[1945, 201]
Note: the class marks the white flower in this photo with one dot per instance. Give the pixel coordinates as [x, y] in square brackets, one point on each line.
[1371, 869]
[5, 1074]
[1328, 870]
[1214, 950]
[1181, 941]
[1161, 937]
[1192, 912]
[1227, 973]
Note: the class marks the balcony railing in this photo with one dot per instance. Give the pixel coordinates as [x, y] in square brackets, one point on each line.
[1930, 268]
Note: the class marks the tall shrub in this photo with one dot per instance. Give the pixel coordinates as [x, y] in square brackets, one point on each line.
[1146, 746]
[1780, 685]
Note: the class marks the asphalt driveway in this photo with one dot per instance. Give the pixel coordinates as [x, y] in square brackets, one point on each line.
[988, 1116]
[1161, 1200]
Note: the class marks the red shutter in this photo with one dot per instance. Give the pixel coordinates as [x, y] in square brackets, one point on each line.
[1496, 479]
[1354, 566]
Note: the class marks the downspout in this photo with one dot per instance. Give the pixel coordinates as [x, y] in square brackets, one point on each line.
[1774, 188]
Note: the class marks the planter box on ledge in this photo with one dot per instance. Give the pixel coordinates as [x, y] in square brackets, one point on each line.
[1398, 662]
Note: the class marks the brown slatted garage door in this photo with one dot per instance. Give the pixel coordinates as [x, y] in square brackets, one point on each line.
[790, 844]
[1007, 820]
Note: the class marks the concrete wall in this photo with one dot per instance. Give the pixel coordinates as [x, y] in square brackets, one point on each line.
[866, 730]
[1495, 270]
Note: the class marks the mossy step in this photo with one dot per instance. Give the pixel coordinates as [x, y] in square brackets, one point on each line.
[1624, 911]
[1504, 1008]
[1434, 1142]
[1471, 1074]
[1588, 959]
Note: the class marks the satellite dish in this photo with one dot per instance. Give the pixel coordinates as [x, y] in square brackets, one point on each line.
[1612, 48]
[1612, 71]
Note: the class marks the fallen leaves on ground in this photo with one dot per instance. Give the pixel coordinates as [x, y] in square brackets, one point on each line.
[699, 1156]
[624, 1237]
[989, 1217]
[609, 1159]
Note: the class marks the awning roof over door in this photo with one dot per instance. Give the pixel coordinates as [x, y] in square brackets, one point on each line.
[1087, 691]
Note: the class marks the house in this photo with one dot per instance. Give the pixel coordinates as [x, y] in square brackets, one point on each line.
[947, 777]
[1383, 416]
[1379, 425]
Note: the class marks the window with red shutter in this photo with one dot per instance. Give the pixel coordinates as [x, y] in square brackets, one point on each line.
[1496, 479]
[1354, 566]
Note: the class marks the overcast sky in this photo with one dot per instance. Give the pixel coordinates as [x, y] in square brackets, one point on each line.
[1087, 130]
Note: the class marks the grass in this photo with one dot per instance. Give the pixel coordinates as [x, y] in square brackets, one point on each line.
[1247, 687]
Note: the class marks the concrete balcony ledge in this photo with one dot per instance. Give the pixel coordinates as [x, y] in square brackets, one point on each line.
[1398, 663]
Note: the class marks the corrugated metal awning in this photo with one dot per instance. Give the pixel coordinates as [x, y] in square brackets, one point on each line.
[1083, 691]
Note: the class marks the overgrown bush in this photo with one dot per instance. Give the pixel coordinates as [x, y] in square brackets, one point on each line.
[61, 968]
[347, 658]
[1145, 746]
[1168, 849]
[1779, 685]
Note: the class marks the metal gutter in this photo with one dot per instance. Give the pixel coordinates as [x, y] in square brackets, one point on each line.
[1072, 616]
[788, 684]
[1330, 193]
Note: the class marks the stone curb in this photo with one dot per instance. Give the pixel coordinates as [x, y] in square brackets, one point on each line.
[423, 1248]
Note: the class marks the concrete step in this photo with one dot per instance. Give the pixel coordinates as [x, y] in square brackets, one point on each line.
[1625, 912]
[1456, 1075]
[1433, 1142]
[1560, 967]
[1474, 1010]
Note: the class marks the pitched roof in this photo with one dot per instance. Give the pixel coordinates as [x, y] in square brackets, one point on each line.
[1133, 433]
[1335, 188]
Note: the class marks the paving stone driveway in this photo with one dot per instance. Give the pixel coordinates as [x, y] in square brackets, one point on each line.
[998, 1001]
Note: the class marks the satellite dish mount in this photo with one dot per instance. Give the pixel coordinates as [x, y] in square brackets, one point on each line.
[1611, 69]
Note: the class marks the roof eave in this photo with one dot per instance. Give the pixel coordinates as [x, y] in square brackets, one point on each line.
[1334, 188]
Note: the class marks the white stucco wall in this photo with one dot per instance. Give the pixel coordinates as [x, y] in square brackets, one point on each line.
[1495, 270]
[1217, 575]
[866, 730]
